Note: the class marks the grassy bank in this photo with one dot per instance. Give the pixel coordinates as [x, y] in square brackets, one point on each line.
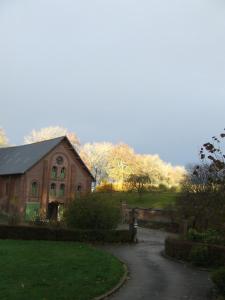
[146, 200]
[55, 270]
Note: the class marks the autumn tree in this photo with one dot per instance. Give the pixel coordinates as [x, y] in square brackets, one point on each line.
[96, 156]
[3, 138]
[50, 133]
[138, 182]
[159, 171]
[114, 163]
[122, 163]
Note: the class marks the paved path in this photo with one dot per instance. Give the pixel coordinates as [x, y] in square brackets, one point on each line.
[153, 277]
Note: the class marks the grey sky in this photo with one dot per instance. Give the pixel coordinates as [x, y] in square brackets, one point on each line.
[150, 73]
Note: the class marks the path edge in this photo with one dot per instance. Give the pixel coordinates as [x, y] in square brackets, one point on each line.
[183, 262]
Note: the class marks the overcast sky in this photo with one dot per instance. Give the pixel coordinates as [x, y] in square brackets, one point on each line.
[150, 73]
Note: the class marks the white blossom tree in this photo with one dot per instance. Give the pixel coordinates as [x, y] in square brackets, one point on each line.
[50, 133]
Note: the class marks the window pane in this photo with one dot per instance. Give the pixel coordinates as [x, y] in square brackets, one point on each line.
[53, 189]
[62, 190]
[34, 189]
[54, 172]
[63, 173]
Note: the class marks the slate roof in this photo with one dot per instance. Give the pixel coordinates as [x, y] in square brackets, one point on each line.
[17, 160]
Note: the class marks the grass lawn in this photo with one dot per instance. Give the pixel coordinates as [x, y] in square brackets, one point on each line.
[55, 270]
[146, 200]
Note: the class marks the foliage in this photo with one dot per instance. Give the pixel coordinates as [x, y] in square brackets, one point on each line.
[148, 200]
[213, 159]
[218, 278]
[201, 205]
[209, 236]
[55, 270]
[3, 138]
[138, 182]
[199, 255]
[96, 157]
[93, 211]
[202, 200]
[32, 211]
[115, 163]
[121, 162]
[54, 232]
[50, 133]
[105, 187]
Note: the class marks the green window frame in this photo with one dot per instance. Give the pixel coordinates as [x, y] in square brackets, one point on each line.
[53, 189]
[62, 190]
[54, 172]
[63, 173]
[34, 189]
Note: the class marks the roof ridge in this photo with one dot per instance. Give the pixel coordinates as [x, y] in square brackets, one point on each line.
[24, 145]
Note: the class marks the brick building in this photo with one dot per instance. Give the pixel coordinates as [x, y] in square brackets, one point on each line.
[41, 177]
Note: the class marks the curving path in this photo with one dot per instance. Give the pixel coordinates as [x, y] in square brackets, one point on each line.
[153, 277]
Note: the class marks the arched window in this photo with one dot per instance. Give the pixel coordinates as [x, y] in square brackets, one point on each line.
[63, 173]
[62, 190]
[53, 189]
[34, 189]
[54, 172]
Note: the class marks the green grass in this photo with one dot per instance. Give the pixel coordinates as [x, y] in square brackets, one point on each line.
[146, 200]
[41, 270]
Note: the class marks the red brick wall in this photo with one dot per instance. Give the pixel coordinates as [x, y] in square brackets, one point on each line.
[20, 186]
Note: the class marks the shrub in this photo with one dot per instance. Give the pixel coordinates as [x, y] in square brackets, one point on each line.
[92, 212]
[182, 249]
[218, 278]
[61, 234]
[177, 248]
[105, 187]
[209, 236]
[199, 255]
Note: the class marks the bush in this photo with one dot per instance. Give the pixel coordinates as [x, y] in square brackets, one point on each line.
[218, 278]
[105, 187]
[199, 255]
[214, 256]
[92, 212]
[60, 234]
[209, 236]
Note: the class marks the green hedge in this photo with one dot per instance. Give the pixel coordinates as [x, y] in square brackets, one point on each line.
[218, 278]
[188, 251]
[59, 234]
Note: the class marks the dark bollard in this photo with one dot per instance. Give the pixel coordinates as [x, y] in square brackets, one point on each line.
[133, 225]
